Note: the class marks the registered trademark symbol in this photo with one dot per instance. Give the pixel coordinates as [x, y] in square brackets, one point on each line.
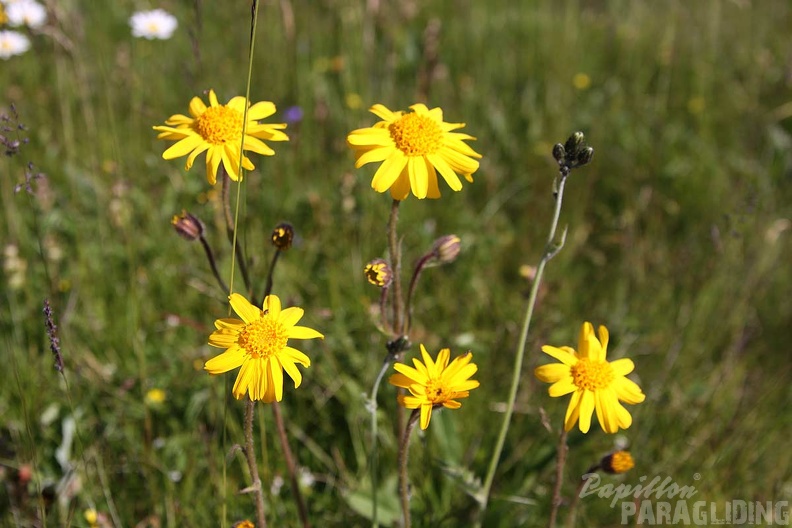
[696, 476]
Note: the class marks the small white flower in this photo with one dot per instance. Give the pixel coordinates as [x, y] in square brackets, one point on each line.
[156, 24]
[13, 43]
[26, 13]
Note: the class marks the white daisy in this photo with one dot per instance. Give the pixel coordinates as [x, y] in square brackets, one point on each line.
[13, 43]
[156, 24]
[26, 13]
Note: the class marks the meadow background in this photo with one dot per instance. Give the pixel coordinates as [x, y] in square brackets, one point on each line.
[678, 241]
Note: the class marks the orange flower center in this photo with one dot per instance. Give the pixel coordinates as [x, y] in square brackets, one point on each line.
[435, 391]
[263, 338]
[592, 375]
[620, 462]
[219, 124]
[416, 134]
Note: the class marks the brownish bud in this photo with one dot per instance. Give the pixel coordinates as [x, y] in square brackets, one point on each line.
[283, 236]
[188, 226]
[446, 249]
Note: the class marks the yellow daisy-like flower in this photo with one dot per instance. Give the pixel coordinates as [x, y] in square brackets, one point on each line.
[257, 343]
[217, 130]
[595, 383]
[414, 147]
[434, 383]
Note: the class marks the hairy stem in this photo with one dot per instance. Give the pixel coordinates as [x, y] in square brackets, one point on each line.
[404, 483]
[559, 481]
[291, 465]
[250, 455]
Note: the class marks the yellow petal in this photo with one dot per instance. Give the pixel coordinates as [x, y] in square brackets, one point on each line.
[243, 380]
[224, 338]
[290, 316]
[197, 107]
[562, 387]
[383, 113]
[244, 309]
[277, 377]
[182, 147]
[261, 110]
[272, 305]
[293, 372]
[586, 410]
[426, 415]
[552, 372]
[389, 171]
[303, 332]
[419, 177]
[445, 171]
[373, 155]
[228, 360]
[296, 356]
[561, 354]
[573, 410]
[622, 367]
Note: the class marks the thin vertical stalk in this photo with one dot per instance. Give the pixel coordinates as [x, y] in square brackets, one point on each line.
[395, 256]
[404, 483]
[291, 465]
[250, 455]
[550, 251]
[559, 480]
[373, 458]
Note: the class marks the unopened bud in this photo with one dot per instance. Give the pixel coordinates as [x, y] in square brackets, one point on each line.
[283, 236]
[379, 273]
[188, 226]
[559, 152]
[584, 156]
[573, 143]
[446, 249]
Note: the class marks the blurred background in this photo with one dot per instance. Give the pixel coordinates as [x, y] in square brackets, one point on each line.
[678, 242]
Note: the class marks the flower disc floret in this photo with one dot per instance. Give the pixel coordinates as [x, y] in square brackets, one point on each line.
[416, 134]
[219, 124]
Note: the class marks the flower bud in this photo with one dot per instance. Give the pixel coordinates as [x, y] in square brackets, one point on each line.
[188, 226]
[584, 156]
[573, 143]
[618, 462]
[446, 249]
[282, 236]
[559, 153]
[379, 273]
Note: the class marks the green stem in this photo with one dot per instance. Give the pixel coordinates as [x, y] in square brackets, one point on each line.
[560, 463]
[250, 455]
[550, 251]
[373, 458]
[404, 483]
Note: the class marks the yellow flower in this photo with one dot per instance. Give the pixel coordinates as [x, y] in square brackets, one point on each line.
[581, 81]
[91, 517]
[155, 396]
[414, 147]
[595, 383]
[217, 130]
[434, 383]
[257, 343]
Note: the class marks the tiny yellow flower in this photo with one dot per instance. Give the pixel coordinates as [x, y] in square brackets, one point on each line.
[258, 344]
[155, 396]
[435, 383]
[217, 130]
[581, 81]
[91, 517]
[595, 383]
[414, 147]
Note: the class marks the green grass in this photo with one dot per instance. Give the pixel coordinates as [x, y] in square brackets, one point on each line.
[678, 242]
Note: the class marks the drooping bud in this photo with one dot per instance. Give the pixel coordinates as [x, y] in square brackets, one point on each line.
[446, 249]
[188, 226]
[283, 236]
[379, 273]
